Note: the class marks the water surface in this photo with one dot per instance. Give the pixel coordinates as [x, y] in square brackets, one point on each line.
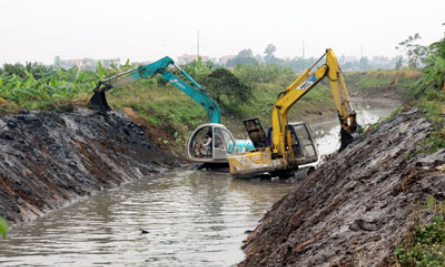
[369, 111]
[194, 219]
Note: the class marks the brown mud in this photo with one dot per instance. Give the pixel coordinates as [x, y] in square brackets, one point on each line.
[355, 208]
[48, 160]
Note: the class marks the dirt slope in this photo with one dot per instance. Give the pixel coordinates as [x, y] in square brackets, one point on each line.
[355, 208]
[48, 159]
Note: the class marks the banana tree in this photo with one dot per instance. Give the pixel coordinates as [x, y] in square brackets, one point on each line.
[433, 74]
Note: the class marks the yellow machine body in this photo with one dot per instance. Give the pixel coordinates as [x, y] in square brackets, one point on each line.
[280, 155]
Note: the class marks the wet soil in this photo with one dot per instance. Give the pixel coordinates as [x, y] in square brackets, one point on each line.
[355, 208]
[48, 160]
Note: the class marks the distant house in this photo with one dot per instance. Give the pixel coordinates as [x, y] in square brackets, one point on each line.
[86, 63]
[185, 59]
[82, 63]
[223, 60]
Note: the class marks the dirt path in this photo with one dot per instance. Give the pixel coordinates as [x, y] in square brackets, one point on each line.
[354, 209]
[48, 159]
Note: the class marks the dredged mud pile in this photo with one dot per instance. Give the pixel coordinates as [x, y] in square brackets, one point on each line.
[356, 208]
[48, 159]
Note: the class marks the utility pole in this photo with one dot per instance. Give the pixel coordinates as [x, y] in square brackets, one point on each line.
[303, 48]
[198, 44]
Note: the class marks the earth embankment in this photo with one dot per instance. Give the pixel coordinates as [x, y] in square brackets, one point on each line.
[355, 208]
[50, 159]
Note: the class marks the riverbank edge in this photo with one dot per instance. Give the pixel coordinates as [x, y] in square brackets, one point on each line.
[300, 229]
[51, 160]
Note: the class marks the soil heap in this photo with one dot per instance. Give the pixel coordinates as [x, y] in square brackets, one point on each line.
[49, 159]
[355, 208]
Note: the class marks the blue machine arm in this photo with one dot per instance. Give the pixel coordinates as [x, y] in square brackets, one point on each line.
[200, 96]
[196, 92]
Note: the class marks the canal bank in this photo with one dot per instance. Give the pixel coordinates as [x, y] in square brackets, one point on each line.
[356, 208]
[48, 160]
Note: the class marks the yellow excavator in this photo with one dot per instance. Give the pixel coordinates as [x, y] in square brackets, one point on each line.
[288, 146]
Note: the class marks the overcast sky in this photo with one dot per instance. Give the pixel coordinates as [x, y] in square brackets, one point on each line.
[32, 30]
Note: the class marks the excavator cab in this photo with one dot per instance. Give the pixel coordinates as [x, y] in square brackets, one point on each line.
[302, 143]
[211, 143]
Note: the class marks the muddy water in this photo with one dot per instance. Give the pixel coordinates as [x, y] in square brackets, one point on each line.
[193, 218]
[368, 112]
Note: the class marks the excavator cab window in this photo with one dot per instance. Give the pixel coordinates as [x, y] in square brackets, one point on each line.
[302, 143]
[297, 145]
[202, 145]
[211, 142]
[224, 144]
[256, 132]
[306, 151]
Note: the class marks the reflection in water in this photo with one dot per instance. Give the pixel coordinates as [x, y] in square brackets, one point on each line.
[194, 219]
[368, 112]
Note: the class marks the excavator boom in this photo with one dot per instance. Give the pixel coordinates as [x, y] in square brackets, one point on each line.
[305, 83]
[99, 102]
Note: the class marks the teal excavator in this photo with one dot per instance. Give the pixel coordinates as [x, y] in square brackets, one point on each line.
[200, 148]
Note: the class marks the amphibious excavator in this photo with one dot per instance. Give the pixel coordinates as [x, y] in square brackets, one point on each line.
[288, 146]
[223, 143]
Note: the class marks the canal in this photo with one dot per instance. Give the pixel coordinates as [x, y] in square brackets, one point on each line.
[182, 218]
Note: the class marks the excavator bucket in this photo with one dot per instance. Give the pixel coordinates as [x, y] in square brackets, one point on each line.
[345, 139]
[99, 102]
[348, 136]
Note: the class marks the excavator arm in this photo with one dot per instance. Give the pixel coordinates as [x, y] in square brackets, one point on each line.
[302, 85]
[196, 92]
[287, 151]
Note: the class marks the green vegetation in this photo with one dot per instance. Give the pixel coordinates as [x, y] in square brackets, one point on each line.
[39, 87]
[251, 74]
[433, 103]
[222, 82]
[247, 91]
[430, 95]
[403, 82]
[3, 228]
[414, 51]
[161, 106]
[425, 247]
[434, 71]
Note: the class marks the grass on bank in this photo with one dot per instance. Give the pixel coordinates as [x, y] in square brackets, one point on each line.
[425, 245]
[433, 105]
[402, 81]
